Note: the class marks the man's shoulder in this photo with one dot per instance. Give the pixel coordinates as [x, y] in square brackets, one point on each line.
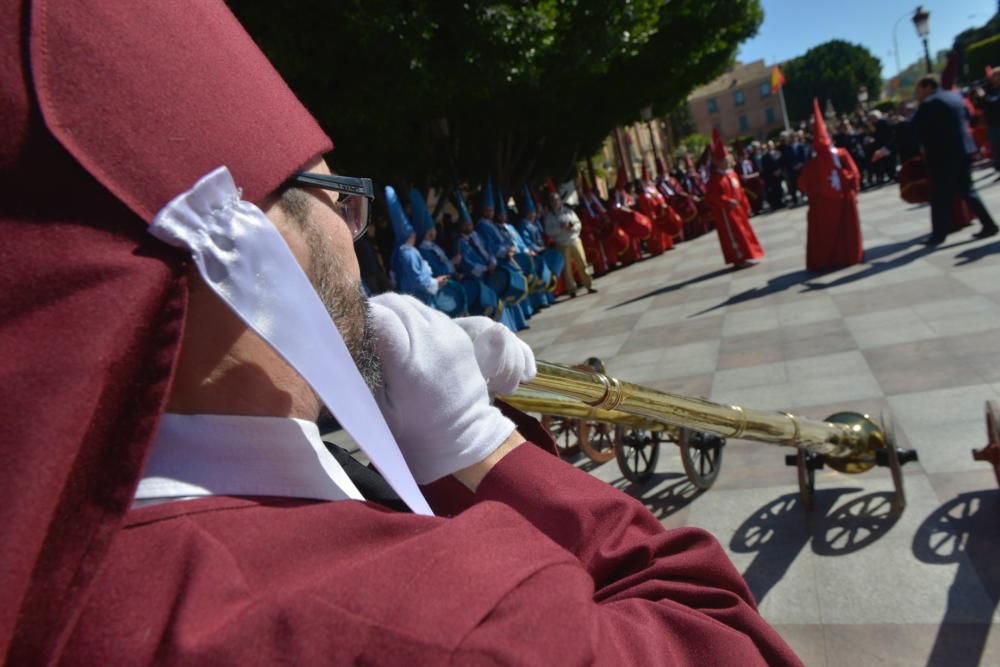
[350, 577]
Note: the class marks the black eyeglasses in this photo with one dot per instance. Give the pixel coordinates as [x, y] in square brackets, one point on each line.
[352, 204]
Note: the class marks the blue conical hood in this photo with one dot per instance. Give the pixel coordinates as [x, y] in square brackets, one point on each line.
[501, 202]
[488, 192]
[462, 208]
[529, 201]
[401, 227]
[422, 220]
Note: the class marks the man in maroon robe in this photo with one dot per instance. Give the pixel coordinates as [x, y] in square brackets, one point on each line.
[623, 213]
[167, 498]
[616, 246]
[731, 210]
[831, 180]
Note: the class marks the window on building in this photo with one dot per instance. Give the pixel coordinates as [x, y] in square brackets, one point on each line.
[739, 98]
[744, 124]
[769, 114]
[765, 89]
[713, 105]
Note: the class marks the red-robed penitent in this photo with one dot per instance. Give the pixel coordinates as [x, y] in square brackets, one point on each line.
[655, 206]
[680, 201]
[106, 122]
[730, 208]
[624, 215]
[831, 180]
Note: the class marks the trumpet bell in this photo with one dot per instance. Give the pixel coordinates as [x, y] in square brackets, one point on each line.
[871, 439]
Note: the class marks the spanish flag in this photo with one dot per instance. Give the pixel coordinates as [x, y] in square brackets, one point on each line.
[777, 79]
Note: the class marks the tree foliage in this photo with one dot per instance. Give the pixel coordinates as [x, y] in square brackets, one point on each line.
[972, 63]
[419, 90]
[693, 144]
[834, 70]
[903, 85]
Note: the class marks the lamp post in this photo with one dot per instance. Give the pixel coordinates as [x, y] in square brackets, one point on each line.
[921, 21]
[862, 97]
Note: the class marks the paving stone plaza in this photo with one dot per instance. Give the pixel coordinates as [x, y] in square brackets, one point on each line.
[912, 331]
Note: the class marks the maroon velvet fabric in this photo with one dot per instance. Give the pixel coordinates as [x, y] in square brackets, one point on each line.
[150, 97]
[109, 109]
[548, 566]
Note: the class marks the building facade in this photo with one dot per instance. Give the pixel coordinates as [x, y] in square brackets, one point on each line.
[739, 103]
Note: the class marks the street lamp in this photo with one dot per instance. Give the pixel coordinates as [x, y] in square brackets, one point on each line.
[862, 96]
[921, 21]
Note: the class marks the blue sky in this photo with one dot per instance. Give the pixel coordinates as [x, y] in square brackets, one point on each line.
[792, 27]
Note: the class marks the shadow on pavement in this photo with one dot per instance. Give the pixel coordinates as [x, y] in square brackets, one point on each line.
[975, 254]
[964, 531]
[665, 501]
[773, 286]
[667, 289]
[781, 529]
[802, 276]
[879, 267]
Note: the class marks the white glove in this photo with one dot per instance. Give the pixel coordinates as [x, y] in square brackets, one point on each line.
[504, 359]
[434, 397]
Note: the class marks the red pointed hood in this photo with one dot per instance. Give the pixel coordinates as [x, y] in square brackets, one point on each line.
[661, 169]
[718, 146]
[550, 185]
[584, 183]
[645, 173]
[821, 138]
[111, 110]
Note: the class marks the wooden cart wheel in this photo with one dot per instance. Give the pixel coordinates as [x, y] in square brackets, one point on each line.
[701, 455]
[566, 433]
[637, 451]
[599, 443]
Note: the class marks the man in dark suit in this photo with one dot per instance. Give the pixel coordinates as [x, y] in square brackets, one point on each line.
[940, 125]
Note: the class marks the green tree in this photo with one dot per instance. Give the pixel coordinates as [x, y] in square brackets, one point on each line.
[681, 123]
[423, 91]
[903, 85]
[972, 65]
[834, 70]
[693, 144]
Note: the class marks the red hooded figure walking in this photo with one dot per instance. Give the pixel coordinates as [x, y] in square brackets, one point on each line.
[730, 208]
[831, 181]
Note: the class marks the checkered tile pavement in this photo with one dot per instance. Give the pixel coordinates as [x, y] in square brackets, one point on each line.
[911, 331]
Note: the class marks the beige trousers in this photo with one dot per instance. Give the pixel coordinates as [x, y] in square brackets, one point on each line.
[574, 256]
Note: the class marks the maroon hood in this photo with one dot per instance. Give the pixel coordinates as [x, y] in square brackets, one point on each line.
[110, 110]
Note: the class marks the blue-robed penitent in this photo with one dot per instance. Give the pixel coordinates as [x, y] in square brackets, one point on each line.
[401, 227]
[422, 219]
[437, 258]
[413, 274]
[409, 270]
[495, 242]
[531, 234]
[476, 259]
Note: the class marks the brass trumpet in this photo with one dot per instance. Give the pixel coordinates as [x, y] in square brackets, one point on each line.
[848, 442]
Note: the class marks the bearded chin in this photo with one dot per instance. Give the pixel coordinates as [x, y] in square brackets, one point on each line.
[348, 306]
